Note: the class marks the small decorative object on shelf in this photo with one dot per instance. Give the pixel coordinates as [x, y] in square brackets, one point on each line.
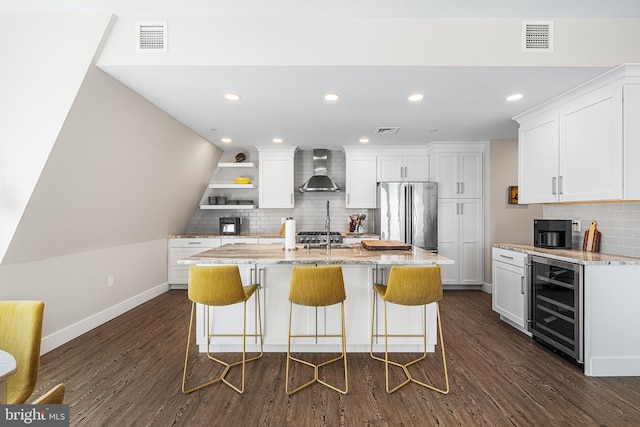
[240, 157]
[513, 195]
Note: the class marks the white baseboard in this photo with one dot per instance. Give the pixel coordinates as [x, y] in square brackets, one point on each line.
[487, 288]
[65, 335]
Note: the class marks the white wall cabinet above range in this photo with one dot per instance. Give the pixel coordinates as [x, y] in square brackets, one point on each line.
[276, 177]
[403, 168]
[583, 145]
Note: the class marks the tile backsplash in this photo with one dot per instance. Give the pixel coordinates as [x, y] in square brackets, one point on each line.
[310, 208]
[618, 223]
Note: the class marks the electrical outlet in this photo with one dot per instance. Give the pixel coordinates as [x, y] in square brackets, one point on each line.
[110, 281]
[577, 225]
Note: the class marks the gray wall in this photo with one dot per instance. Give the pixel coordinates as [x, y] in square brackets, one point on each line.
[121, 176]
[505, 223]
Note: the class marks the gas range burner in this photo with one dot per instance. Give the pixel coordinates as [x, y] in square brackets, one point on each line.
[318, 237]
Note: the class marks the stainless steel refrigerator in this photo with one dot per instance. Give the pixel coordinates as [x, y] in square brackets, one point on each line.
[408, 211]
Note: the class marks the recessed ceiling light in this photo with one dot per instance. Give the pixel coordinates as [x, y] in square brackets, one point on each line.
[416, 97]
[515, 97]
[277, 140]
[226, 140]
[232, 97]
[364, 140]
[331, 97]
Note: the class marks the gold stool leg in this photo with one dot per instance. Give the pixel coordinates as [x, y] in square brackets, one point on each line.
[227, 365]
[405, 366]
[316, 378]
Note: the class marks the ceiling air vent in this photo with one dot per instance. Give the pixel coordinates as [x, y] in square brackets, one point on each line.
[151, 37]
[386, 131]
[537, 36]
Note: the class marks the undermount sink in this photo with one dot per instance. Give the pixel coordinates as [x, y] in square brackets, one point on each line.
[333, 246]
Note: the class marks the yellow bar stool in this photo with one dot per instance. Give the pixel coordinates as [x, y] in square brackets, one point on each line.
[319, 286]
[219, 286]
[412, 286]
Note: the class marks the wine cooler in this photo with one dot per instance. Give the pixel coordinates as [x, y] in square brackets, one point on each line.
[556, 305]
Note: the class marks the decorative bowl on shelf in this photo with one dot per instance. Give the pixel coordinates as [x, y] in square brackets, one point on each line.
[242, 180]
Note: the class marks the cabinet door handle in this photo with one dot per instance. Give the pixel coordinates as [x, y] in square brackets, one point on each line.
[348, 197]
[291, 197]
[461, 187]
[560, 185]
[553, 185]
[522, 285]
[461, 208]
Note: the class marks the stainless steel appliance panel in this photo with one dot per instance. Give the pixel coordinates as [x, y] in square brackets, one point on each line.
[408, 212]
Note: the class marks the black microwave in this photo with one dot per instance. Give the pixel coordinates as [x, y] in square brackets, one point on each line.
[230, 226]
[552, 233]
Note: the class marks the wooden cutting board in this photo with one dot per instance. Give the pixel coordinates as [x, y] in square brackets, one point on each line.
[591, 239]
[385, 245]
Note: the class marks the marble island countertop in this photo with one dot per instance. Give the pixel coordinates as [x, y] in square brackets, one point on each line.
[339, 254]
[572, 255]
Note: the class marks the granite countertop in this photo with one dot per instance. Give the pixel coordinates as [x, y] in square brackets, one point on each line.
[263, 235]
[572, 255]
[207, 235]
[340, 254]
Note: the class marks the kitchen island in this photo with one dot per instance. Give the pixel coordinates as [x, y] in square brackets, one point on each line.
[270, 266]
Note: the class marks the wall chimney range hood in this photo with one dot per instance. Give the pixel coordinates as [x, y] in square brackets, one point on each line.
[319, 181]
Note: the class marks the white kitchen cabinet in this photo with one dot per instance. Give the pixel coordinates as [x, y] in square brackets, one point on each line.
[276, 177]
[238, 240]
[575, 152]
[458, 174]
[583, 145]
[538, 160]
[403, 168]
[178, 274]
[509, 297]
[360, 182]
[460, 237]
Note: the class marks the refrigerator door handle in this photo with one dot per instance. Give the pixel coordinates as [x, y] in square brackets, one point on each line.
[410, 214]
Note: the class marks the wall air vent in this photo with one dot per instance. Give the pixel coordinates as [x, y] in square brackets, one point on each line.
[151, 37]
[537, 36]
[386, 131]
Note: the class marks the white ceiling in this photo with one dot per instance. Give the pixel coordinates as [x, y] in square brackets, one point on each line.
[461, 103]
[287, 102]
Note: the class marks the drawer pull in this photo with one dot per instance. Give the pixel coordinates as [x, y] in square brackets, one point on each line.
[195, 243]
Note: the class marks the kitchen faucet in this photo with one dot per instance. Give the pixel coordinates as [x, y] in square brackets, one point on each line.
[328, 227]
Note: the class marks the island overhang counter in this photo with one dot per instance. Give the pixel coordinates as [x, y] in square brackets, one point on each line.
[270, 266]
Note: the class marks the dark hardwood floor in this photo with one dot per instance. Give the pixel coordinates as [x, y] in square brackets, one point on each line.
[128, 373]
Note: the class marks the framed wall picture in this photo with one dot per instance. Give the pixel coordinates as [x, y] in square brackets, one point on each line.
[513, 195]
